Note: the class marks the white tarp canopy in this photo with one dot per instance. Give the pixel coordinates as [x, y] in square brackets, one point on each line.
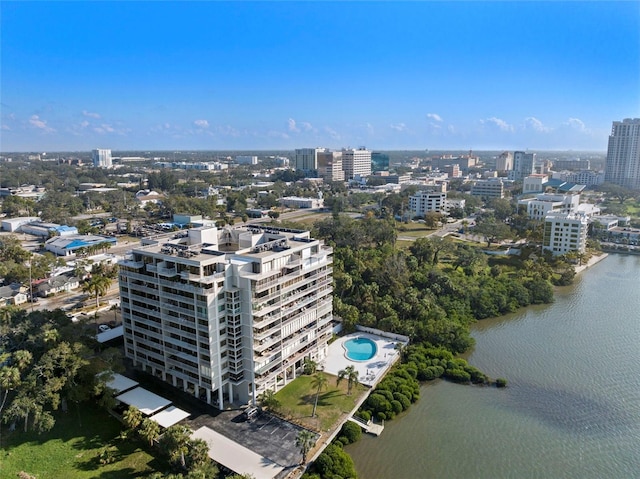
[121, 383]
[236, 457]
[170, 416]
[147, 402]
[110, 334]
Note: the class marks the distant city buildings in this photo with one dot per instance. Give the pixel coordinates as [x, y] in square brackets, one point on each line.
[489, 188]
[356, 163]
[246, 160]
[379, 161]
[306, 159]
[523, 165]
[623, 154]
[330, 166]
[504, 162]
[101, 158]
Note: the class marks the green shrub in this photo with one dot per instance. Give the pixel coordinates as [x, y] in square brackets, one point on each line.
[501, 383]
[397, 406]
[350, 432]
[458, 375]
[403, 400]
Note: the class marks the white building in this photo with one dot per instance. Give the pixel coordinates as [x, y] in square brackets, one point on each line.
[489, 188]
[545, 204]
[356, 163]
[424, 202]
[584, 177]
[299, 202]
[15, 224]
[523, 165]
[565, 232]
[101, 158]
[534, 184]
[246, 160]
[227, 314]
[623, 154]
[504, 162]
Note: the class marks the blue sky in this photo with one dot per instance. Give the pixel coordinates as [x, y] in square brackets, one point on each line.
[268, 75]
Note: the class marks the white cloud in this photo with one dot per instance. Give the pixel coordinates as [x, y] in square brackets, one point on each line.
[576, 124]
[107, 128]
[5, 127]
[91, 114]
[533, 123]
[277, 134]
[332, 133]
[84, 124]
[398, 127]
[292, 126]
[498, 122]
[451, 129]
[201, 123]
[36, 122]
[227, 130]
[434, 116]
[306, 126]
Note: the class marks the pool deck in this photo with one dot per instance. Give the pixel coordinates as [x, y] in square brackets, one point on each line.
[370, 371]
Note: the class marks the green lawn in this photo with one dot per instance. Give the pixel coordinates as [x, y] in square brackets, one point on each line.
[71, 449]
[297, 398]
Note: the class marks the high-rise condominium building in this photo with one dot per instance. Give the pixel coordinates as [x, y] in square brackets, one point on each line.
[101, 158]
[523, 165]
[225, 314]
[356, 162]
[623, 154]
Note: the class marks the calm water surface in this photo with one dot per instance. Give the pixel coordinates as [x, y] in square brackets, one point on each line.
[572, 408]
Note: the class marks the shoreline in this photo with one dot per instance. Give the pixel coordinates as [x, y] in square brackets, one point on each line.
[593, 260]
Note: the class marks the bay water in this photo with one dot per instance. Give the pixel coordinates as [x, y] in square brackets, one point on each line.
[571, 408]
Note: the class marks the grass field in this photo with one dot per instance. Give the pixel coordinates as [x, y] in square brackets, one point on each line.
[297, 398]
[71, 450]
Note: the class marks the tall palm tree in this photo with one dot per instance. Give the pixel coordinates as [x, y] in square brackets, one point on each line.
[269, 400]
[318, 381]
[305, 441]
[351, 375]
[97, 286]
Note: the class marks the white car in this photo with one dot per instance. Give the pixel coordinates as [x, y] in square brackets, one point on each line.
[103, 328]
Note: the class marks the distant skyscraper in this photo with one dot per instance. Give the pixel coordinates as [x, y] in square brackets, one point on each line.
[522, 165]
[101, 158]
[623, 154]
[356, 162]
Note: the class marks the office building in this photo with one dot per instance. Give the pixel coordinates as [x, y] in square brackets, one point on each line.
[523, 165]
[226, 314]
[504, 162]
[545, 204]
[306, 159]
[379, 161]
[330, 166]
[489, 188]
[623, 154]
[356, 163]
[246, 160]
[424, 202]
[101, 158]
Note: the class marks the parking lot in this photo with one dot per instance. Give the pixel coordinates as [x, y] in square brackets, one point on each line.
[266, 435]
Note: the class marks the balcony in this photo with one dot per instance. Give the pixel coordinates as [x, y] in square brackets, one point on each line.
[168, 272]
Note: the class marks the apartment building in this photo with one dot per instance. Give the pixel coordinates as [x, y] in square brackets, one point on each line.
[101, 158]
[565, 232]
[306, 159]
[523, 165]
[623, 154]
[225, 314]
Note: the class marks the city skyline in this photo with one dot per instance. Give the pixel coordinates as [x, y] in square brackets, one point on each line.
[264, 76]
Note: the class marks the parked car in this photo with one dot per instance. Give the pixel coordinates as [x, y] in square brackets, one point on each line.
[103, 328]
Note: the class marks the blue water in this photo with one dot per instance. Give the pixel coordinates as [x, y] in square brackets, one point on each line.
[360, 349]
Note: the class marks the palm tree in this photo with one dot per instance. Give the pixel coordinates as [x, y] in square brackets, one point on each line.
[305, 441]
[309, 366]
[149, 430]
[268, 400]
[352, 377]
[132, 417]
[97, 286]
[319, 381]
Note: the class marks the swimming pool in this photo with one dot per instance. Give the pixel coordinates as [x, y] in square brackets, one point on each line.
[360, 349]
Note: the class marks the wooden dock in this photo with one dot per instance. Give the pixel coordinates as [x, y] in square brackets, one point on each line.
[369, 426]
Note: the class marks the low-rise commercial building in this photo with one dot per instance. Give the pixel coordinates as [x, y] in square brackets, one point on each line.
[565, 232]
